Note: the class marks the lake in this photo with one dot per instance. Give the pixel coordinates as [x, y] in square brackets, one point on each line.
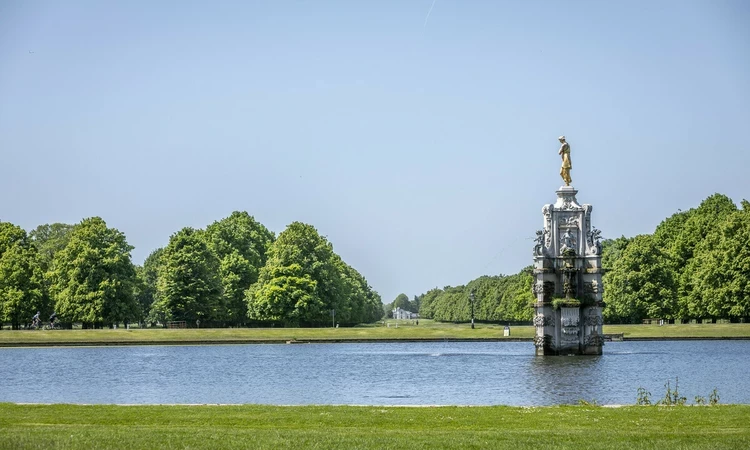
[408, 373]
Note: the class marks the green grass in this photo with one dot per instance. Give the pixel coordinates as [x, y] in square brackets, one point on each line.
[712, 330]
[352, 427]
[406, 330]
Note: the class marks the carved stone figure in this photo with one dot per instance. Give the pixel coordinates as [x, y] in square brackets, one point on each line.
[564, 153]
[539, 243]
[567, 243]
[594, 240]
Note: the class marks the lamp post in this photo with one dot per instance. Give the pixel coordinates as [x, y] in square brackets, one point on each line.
[471, 301]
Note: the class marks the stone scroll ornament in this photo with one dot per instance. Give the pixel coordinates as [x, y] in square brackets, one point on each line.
[547, 211]
[593, 321]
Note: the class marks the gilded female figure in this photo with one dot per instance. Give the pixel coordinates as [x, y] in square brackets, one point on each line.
[566, 165]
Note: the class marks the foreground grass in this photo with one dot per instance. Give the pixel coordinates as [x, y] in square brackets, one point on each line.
[406, 330]
[253, 426]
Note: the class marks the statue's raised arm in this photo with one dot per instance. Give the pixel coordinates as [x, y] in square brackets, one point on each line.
[566, 165]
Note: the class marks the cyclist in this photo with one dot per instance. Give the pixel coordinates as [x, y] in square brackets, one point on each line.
[52, 319]
[35, 321]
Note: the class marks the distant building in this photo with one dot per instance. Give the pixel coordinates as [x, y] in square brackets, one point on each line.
[403, 314]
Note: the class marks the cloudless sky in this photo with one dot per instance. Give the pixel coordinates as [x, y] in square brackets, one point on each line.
[423, 147]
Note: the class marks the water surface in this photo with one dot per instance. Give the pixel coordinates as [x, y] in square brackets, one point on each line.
[435, 373]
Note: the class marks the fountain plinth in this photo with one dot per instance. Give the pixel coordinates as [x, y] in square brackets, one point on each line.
[568, 279]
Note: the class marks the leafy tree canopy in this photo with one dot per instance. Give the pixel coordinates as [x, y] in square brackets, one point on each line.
[189, 286]
[92, 279]
[303, 282]
[240, 243]
[22, 290]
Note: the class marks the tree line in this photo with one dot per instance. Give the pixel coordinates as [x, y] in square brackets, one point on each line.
[696, 265]
[234, 272]
[500, 298]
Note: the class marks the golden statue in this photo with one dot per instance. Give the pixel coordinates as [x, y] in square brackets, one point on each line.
[566, 165]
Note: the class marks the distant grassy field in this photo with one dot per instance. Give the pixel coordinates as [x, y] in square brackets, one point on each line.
[398, 330]
[712, 330]
[352, 427]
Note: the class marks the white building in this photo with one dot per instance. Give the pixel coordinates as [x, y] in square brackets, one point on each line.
[403, 314]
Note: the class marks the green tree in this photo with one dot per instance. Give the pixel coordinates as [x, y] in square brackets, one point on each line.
[361, 303]
[288, 296]
[50, 239]
[720, 271]
[689, 246]
[189, 285]
[299, 260]
[426, 307]
[147, 277]
[92, 279]
[22, 290]
[416, 303]
[240, 243]
[502, 298]
[402, 301]
[641, 284]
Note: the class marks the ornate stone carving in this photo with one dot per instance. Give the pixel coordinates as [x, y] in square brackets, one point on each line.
[587, 216]
[568, 243]
[539, 240]
[593, 321]
[547, 211]
[593, 238]
[596, 340]
[567, 262]
[542, 320]
[571, 221]
[541, 341]
[568, 289]
[591, 287]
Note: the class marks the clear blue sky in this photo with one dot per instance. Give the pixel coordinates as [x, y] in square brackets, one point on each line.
[424, 152]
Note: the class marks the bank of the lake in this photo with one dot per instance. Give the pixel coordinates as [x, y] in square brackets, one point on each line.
[254, 426]
[397, 331]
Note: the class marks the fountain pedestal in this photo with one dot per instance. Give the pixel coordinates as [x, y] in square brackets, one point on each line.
[568, 280]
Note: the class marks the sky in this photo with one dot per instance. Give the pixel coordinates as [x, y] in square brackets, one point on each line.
[423, 147]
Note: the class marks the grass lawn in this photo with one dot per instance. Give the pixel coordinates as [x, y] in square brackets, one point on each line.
[406, 330]
[351, 427]
[698, 330]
